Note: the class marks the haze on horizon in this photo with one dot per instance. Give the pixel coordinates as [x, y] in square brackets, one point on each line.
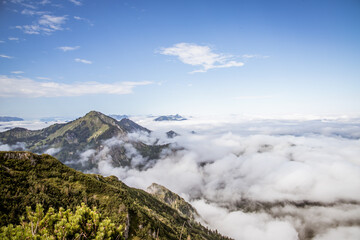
[65, 58]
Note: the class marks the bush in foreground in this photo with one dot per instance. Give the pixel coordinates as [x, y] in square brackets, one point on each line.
[84, 223]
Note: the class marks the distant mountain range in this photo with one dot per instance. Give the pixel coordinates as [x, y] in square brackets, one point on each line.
[9, 119]
[118, 117]
[68, 140]
[176, 117]
[27, 179]
[54, 119]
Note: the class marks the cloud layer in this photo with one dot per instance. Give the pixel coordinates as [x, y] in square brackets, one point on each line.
[250, 180]
[197, 55]
[25, 87]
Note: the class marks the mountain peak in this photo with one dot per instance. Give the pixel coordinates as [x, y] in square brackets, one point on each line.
[94, 113]
[130, 126]
[68, 140]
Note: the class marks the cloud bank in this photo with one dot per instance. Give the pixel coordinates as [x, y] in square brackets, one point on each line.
[25, 87]
[253, 181]
[197, 55]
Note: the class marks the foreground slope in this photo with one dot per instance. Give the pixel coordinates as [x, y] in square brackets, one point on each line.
[28, 179]
[67, 141]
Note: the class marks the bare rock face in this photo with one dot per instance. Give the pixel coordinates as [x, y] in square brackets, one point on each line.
[173, 200]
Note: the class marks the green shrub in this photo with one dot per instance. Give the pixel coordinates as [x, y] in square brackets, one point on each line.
[83, 224]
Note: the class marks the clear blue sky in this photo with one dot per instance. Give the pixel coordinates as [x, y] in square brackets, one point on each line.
[65, 58]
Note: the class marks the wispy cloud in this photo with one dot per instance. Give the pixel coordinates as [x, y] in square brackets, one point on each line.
[2, 41]
[43, 78]
[198, 55]
[23, 3]
[76, 2]
[13, 39]
[44, 2]
[67, 48]
[5, 56]
[82, 61]
[17, 72]
[32, 12]
[25, 87]
[47, 24]
[248, 56]
[84, 20]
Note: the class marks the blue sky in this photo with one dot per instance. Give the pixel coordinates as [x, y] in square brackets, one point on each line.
[65, 58]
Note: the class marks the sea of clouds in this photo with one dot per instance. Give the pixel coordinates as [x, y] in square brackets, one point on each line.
[254, 178]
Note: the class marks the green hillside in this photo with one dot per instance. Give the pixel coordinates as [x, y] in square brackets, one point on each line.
[27, 179]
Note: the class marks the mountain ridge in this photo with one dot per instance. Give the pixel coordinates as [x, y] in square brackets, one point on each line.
[10, 119]
[68, 140]
[28, 179]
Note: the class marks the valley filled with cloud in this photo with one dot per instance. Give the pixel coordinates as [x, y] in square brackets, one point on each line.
[251, 178]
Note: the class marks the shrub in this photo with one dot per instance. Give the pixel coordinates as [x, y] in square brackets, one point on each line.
[84, 223]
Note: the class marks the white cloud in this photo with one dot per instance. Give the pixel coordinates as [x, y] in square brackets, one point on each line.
[197, 55]
[5, 56]
[23, 3]
[43, 78]
[83, 19]
[67, 48]
[83, 61]
[47, 24]
[13, 39]
[52, 151]
[31, 125]
[248, 56]
[17, 72]
[2, 41]
[32, 12]
[76, 2]
[346, 233]
[25, 87]
[52, 22]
